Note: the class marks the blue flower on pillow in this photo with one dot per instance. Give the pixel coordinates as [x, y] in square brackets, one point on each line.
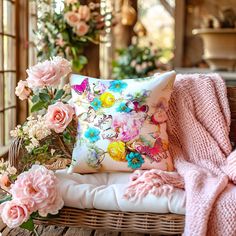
[96, 104]
[123, 108]
[92, 134]
[135, 160]
[117, 86]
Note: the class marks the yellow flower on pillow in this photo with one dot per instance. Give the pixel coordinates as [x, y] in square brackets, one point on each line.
[117, 151]
[107, 99]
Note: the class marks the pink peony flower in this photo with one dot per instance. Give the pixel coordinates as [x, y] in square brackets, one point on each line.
[14, 213]
[58, 116]
[81, 28]
[22, 90]
[48, 73]
[128, 125]
[84, 13]
[38, 189]
[72, 18]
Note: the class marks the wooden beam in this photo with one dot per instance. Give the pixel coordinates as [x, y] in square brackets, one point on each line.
[179, 32]
[22, 53]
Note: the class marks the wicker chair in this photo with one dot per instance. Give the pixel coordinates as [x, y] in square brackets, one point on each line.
[165, 224]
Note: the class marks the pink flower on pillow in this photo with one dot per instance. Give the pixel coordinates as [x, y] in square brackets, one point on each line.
[22, 90]
[128, 125]
[58, 116]
[14, 213]
[38, 189]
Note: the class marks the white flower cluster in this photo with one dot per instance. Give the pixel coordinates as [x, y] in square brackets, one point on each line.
[17, 132]
[6, 168]
[34, 130]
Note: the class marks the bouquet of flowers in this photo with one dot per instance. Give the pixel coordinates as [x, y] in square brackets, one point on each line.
[46, 138]
[136, 62]
[33, 193]
[49, 133]
[68, 32]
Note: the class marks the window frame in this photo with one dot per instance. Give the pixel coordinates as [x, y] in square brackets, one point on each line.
[6, 36]
[21, 62]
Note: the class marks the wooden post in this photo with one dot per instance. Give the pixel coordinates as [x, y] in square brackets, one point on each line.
[22, 53]
[92, 68]
[179, 32]
[92, 53]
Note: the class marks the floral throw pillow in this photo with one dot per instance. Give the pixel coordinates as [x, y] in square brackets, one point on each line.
[121, 123]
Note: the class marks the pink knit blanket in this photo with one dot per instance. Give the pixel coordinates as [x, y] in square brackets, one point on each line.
[198, 127]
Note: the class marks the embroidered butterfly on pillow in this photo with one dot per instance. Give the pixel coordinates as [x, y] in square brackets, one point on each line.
[121, 123]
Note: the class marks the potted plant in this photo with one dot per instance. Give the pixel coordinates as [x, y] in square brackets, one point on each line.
[219, 40]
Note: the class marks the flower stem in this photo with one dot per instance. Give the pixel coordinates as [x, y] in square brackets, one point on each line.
[4, 190]
[67, 153]
[35, 232]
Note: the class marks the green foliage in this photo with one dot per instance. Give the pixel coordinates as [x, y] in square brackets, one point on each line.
[29, 225]
[59, 94]
[5, 199]
[38, 106]
[45, 97]
[56, 37]
[135, 62]
[40, 150]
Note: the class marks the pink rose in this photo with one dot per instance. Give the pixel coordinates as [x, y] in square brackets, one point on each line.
[84, 13]
[38, 188]
[14, 213]
[48, 73]
[5, 182]
[58, 116]
[43, 74]
[128, 125]
[81, 28]
[63, 65]
[72, 18]
[22, 90]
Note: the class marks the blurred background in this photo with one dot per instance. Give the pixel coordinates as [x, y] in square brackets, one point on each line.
[112, 39]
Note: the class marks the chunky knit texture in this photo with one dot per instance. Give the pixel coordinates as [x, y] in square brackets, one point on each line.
[156, 182]
[199, 125]
[198, 128]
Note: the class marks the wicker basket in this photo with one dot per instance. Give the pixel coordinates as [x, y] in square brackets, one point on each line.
[168, 224]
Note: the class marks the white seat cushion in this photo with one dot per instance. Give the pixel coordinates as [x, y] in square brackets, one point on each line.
[105, 191]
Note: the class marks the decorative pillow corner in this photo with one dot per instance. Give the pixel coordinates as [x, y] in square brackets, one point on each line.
[121, 123]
